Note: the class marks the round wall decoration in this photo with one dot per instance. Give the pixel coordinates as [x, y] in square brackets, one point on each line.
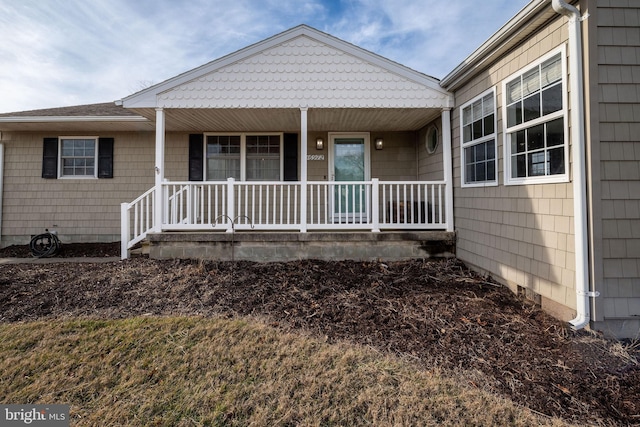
[431, 139]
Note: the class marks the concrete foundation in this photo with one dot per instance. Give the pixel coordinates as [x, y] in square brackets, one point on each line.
[282, 246]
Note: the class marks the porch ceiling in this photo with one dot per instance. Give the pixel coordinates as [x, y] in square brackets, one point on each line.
[288, 120]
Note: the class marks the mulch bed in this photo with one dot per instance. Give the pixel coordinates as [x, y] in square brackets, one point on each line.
[73, 250]
[435, 312]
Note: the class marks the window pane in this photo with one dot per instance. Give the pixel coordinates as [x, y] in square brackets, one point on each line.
[491, 171]
[530, 82]
[551, 70]
[466, 133]
[476, 109]
[491, 150]
[487, 105]
[514, 114]
[477, 129]
[556, 161]
[519, 166]
[531, 107]
[470, 154]
[552, 99]
[514, 90]
[518, 142]
[488, 125]
[480, 152]
[221, 169]
[471, 173]
[537, 164]
[466, 115]
[481, 172]
[555, 133]
[263, 169]
[535, 138]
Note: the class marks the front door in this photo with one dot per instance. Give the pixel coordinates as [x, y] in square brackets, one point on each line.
[349, 163]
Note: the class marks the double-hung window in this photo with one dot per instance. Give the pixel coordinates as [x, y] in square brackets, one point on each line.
[536, 150]
[479, 148]
[245, 157]
[78, 157]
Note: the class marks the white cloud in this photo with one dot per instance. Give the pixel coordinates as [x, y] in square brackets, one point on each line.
[58, 53]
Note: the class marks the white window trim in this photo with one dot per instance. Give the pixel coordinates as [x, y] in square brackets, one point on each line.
[494, 136]
[564, 113]
[366, 136]
[61, 175]
[243, 152]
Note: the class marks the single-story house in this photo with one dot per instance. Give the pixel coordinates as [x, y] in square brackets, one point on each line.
[524, 161]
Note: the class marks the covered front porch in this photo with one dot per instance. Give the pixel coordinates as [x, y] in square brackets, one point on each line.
[302, 133]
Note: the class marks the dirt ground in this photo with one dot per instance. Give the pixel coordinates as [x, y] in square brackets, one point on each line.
[434, 312]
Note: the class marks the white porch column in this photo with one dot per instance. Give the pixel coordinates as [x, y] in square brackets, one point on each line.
[303, 169]
[158, 203]
[448, 166]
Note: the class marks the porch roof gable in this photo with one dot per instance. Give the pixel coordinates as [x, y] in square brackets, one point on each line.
[301, 67]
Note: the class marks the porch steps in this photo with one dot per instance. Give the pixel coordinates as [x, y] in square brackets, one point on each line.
[291, 246]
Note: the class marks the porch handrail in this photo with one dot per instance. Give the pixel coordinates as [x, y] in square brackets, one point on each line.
[134, 230]
[276, 206]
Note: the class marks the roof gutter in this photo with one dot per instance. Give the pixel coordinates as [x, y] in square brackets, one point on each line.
[67, 119]
[583, 294]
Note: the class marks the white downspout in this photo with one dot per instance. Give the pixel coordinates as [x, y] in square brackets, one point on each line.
[1, 185]
[583, 294]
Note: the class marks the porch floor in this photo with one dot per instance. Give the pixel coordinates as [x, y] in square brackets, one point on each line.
[291, 246]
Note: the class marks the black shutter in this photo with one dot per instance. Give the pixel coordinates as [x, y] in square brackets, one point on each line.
[290, 156]
[196, 157]
[50, 158]
[105, 158]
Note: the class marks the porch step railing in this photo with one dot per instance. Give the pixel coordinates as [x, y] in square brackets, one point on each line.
[136, 220]
[330, 205]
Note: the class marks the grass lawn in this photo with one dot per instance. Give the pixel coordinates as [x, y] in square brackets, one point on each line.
[194, 371]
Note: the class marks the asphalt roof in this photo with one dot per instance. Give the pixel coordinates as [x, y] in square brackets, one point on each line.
[106, 109]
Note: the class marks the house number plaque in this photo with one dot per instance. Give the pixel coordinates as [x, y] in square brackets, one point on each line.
[315, 157]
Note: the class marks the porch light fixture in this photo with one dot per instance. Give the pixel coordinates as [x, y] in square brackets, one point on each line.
[319, 144]
[379, 143]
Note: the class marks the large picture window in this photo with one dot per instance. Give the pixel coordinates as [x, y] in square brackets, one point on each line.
[535, 148]
[478, 148]
[245, 157]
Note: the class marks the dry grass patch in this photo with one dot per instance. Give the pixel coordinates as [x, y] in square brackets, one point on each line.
[202, 371]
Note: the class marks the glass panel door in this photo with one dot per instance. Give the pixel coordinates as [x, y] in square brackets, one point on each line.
[349, 164]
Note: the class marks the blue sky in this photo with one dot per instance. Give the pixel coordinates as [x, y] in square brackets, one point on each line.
[58, 53]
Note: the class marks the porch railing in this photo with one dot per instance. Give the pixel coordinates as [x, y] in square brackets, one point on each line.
[330, 205]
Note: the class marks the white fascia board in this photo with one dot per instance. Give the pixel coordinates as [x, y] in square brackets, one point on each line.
[147, 98]
[499, 38]
[68, 119]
